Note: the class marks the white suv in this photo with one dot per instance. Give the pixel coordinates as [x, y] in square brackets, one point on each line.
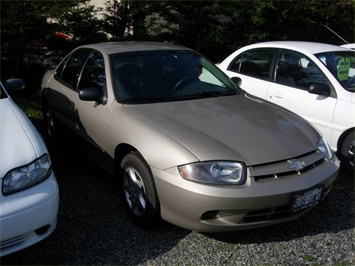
[314, 80]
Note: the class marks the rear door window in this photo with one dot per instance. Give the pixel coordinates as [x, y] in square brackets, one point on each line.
[255, 63]
[72, 67]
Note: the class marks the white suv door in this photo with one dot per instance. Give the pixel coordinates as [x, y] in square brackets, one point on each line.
[295, 75]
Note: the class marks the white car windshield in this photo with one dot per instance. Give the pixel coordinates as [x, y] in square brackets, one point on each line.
[158, 76]
[342, 66]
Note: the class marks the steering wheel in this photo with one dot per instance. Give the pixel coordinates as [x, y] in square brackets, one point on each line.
[182, 83]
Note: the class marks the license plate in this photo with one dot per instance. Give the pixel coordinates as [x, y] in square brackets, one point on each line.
[307, 199]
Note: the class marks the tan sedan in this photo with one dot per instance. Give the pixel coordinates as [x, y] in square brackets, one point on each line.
[186, 144]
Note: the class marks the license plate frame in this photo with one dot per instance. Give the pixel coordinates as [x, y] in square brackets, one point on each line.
[306, 199]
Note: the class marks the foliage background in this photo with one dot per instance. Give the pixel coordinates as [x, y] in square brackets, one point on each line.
[214, 28]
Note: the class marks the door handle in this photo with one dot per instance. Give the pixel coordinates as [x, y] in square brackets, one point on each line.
[276, 95]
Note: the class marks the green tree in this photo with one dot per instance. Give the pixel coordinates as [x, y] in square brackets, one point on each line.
[339, 17]
[83, 22]
[215, 28]
[196, 24]
[24, 26]
[126, 19]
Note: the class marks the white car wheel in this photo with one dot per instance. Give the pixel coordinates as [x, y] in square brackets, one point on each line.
[347, 153]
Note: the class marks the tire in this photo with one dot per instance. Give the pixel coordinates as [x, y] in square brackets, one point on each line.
[347, 150]
[138, 191]
[49, 129]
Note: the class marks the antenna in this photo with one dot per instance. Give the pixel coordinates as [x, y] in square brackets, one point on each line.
[335, 33]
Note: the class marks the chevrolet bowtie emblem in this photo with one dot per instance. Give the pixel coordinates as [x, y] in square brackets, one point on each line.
[297, 165]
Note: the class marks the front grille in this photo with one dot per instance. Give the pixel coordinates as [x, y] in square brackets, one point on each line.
[270, 214]
[291, 167]
[276, 213]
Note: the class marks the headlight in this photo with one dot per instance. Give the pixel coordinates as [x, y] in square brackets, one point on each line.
[325, 149]
[26, 176]
[217, 173]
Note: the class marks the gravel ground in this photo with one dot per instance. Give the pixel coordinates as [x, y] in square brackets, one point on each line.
[93, 229]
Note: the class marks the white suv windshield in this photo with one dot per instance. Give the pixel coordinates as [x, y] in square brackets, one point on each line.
[342, 66]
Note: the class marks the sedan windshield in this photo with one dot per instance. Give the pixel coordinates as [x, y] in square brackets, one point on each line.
[342, 66]
[158, 76]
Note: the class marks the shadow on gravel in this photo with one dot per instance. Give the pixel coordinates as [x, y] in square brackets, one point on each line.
[334, 214]
[93, 228]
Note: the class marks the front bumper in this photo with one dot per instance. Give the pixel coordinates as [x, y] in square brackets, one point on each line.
[258, 203]
[28, 216]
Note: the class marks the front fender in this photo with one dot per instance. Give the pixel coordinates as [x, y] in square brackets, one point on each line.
[158, 149]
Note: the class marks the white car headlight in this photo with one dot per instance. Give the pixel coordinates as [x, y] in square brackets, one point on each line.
[217, 173]
[324, 148]
[26, 176]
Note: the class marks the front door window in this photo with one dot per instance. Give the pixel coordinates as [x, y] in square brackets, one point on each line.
[296, 70]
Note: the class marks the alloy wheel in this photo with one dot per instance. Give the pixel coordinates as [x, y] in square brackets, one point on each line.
[134, 191]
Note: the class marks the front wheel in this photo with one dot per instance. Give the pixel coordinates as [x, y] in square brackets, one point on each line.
[346, 155]
[139, 192]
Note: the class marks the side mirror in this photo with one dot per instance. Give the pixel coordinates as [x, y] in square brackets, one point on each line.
[237, 81]
[320, 89]
[14, 85]
[91, 94]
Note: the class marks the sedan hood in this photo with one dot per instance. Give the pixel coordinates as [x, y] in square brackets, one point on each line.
[236, 128]
[19, 140]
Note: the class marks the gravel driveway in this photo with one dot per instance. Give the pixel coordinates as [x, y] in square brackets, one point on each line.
[93, 229]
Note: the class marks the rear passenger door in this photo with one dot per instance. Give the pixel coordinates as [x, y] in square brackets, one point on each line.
[294, 74]
[63, 91]
[253, 67]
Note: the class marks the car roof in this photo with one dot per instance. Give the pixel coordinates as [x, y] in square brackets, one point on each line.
[301, 46]
[349, 45]
[126, 46]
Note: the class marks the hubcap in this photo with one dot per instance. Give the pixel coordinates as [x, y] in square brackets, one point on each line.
[351, 153]
[134, 191]
[49, 123]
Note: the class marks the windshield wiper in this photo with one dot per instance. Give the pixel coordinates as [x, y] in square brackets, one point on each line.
[200, 95]
[208, 94]
[146, 100]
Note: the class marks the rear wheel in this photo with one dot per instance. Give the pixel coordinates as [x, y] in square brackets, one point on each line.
[138, 191]
[347, 150]
[49, 130]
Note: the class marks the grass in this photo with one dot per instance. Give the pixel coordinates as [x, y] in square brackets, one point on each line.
[309, 258]
[31, 107]
[29, 103]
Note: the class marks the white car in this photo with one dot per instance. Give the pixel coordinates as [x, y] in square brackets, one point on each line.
[314, 80]
[349, 45]
[29, 195]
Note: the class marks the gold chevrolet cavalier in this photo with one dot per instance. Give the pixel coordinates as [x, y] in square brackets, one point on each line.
[187, 144]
